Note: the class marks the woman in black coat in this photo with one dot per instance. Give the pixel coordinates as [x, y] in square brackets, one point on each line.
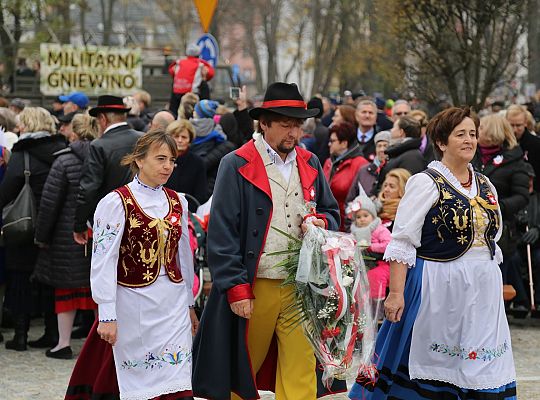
[189, 174]
[404, 150]
[500, 158]
[38, 139]
[62, 263]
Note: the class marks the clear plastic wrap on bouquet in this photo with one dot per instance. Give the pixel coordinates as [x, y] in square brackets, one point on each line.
[332, 292]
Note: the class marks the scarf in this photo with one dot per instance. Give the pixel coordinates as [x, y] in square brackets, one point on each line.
[389, 209]
[488, 152]
[363, 234]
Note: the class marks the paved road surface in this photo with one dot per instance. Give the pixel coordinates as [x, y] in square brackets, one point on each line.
[30, 375]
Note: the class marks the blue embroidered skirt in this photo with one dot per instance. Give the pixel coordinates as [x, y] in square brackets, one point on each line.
[392, 359]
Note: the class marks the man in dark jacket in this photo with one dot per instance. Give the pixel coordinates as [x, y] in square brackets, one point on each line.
[260, 185]
[366, 117]
[102, 171]
[529, 143]
[404, 150]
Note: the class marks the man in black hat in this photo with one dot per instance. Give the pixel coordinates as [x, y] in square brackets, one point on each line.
[102, 172]
[267, 182]
[66, 128]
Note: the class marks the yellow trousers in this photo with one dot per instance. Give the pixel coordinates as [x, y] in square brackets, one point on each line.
[295, 377]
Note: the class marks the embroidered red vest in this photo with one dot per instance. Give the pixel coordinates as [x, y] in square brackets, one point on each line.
[147, 243]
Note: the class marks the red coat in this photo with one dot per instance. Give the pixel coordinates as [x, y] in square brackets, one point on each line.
[344, 174]
[186, 74]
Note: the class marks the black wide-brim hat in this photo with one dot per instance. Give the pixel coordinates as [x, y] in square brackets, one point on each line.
[108, 103]
[284, 99]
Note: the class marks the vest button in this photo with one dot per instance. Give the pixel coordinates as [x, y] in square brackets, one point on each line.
[296, 194]
[288, 215]
[286, 204]
[259, 211]
[255, 232]
[289, 225]
[250, 254]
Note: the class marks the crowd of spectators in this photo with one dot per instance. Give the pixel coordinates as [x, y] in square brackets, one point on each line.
[367, 149]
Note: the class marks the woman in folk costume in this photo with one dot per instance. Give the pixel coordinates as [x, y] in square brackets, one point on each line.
[446, 335]
[141, 278]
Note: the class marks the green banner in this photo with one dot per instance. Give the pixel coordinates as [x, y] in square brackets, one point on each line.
[94, 70]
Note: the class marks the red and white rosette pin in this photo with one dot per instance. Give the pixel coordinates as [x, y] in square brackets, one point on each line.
[175, 219]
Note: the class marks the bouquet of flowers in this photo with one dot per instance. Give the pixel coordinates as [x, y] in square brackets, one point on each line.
[331, 300]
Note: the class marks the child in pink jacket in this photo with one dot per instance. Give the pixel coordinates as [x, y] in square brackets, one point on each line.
[373, 237]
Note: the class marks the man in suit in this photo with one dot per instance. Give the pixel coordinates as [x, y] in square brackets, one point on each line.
[102, 172]
[366, 117]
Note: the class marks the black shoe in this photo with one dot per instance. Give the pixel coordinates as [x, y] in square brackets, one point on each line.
[81, 332]
[18, 343]
[519, 312]
[64, 353]
[43, 342]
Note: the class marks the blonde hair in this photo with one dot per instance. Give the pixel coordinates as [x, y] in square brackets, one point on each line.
[516, 109]
[498, 131]
[37, 119]
[142, 147]
[187, 105]
[85, 126]
[420, 116]
[144, 97]
[402, 176]
[131, 102]
[175, 127]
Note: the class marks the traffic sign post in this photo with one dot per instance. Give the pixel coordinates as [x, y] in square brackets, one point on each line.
[206, 10]
[209, 49]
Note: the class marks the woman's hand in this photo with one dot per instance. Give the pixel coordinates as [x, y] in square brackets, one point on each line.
[108, 331]
[393, 306]
[194, 321]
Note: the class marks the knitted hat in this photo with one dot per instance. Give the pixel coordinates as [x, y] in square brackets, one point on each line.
[206, 108]
[361, 202]
[382, 136]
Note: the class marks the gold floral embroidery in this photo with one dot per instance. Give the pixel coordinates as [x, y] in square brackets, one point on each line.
[151, 254]
[462, 240]
[126, 270]
[134, 222]
[460, 218]
[447, 195]
[148, 276]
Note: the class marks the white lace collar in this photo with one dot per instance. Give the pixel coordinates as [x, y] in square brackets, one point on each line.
[144, 186]
[443, 169]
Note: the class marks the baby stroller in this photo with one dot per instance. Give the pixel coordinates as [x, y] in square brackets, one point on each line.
[197, 227]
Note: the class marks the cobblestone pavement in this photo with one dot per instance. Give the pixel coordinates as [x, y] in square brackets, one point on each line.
[30, 375]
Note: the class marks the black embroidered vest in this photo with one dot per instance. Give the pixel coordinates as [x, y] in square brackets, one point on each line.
[448, 230]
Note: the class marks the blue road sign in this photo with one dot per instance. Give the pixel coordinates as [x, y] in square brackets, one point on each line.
[209, 49]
